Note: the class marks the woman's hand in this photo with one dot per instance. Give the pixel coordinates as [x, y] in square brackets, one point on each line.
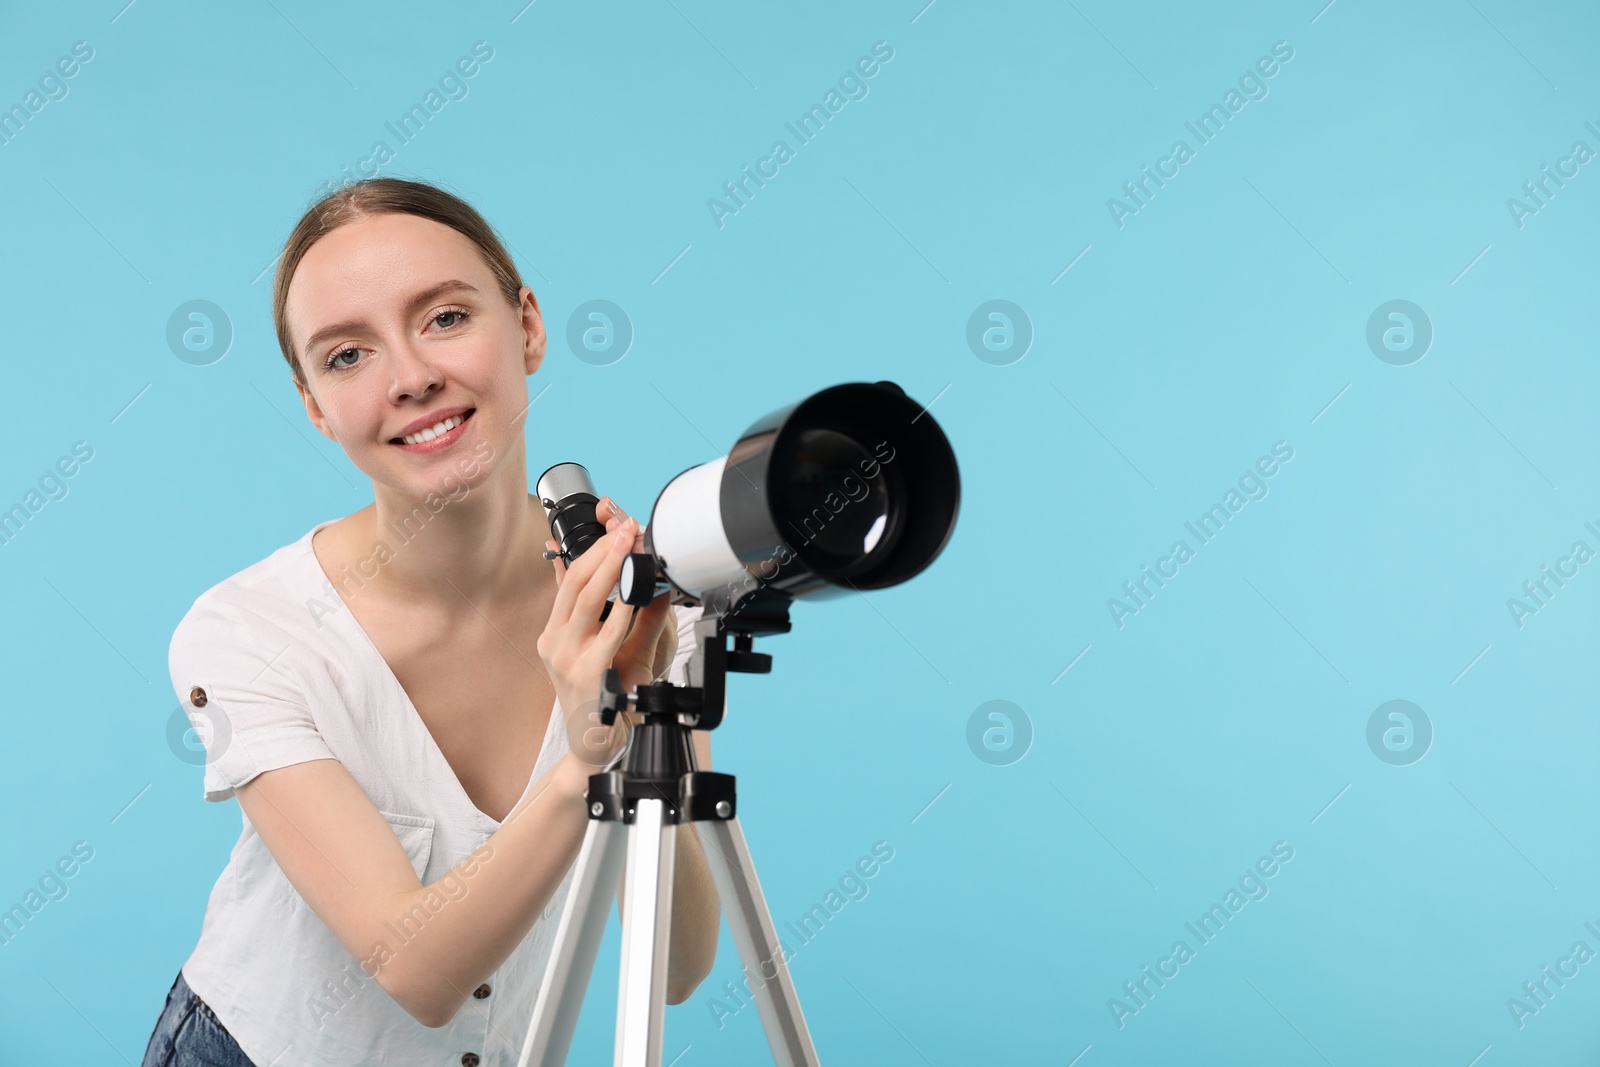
[577, 647]
[648, 650]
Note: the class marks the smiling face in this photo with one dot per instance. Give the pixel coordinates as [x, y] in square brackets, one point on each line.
[397, 323]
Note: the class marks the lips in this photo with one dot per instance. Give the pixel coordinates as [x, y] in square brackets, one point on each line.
[422, 444]
[433, 423]
[433, 418]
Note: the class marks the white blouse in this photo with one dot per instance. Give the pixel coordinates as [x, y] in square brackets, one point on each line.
[273, 669]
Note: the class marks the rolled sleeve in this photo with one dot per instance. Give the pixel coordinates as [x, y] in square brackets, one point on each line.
[235, 679]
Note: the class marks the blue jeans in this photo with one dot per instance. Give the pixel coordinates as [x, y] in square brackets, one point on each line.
[188, 1034]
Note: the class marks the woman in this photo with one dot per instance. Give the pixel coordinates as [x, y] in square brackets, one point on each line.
[410, 772]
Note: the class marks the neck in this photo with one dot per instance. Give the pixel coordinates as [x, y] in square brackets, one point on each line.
[482, 544]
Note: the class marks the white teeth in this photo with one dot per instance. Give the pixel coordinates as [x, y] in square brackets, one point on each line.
[435, 430]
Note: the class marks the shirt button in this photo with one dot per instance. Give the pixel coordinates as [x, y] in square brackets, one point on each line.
[197, 697]
[482, 991]
[469, 1059]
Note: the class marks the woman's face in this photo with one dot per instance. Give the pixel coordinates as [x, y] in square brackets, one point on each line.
[397, 321]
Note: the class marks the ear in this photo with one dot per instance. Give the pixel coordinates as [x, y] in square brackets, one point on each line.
[533, 335]
[313, 409]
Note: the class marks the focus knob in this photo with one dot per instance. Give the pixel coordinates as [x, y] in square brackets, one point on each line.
[637, 582]
[612, 697]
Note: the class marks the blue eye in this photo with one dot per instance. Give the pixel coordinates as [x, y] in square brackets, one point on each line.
[331, 364]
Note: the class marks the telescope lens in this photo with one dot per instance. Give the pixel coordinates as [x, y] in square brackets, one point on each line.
[855, 487]
[834, 514]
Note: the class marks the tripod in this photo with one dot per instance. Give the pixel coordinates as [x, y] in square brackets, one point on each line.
[633, 815]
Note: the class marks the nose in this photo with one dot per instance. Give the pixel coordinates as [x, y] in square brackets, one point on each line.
[410, 376]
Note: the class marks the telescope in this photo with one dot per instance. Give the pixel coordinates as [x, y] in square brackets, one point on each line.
[854, 487]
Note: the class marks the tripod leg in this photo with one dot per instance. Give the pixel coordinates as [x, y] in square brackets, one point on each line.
[757, 939]
[646, 924]
[577, 942]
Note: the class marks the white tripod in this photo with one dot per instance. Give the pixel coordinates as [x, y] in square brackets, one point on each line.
[633, 814]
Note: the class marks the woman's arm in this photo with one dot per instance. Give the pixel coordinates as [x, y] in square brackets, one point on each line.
[342, 857]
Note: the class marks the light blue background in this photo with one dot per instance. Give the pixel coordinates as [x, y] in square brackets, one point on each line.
[1228, 314]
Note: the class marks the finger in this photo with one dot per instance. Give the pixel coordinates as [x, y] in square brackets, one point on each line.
[658, 610]
[644, 630]
[601, 578]
[671, 640]
[579, 574]
[645, 638]
[614, 517]
[614, 631]
[608, 509]
[609, 512]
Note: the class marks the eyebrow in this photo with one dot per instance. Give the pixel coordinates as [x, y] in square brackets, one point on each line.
[417, 300]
